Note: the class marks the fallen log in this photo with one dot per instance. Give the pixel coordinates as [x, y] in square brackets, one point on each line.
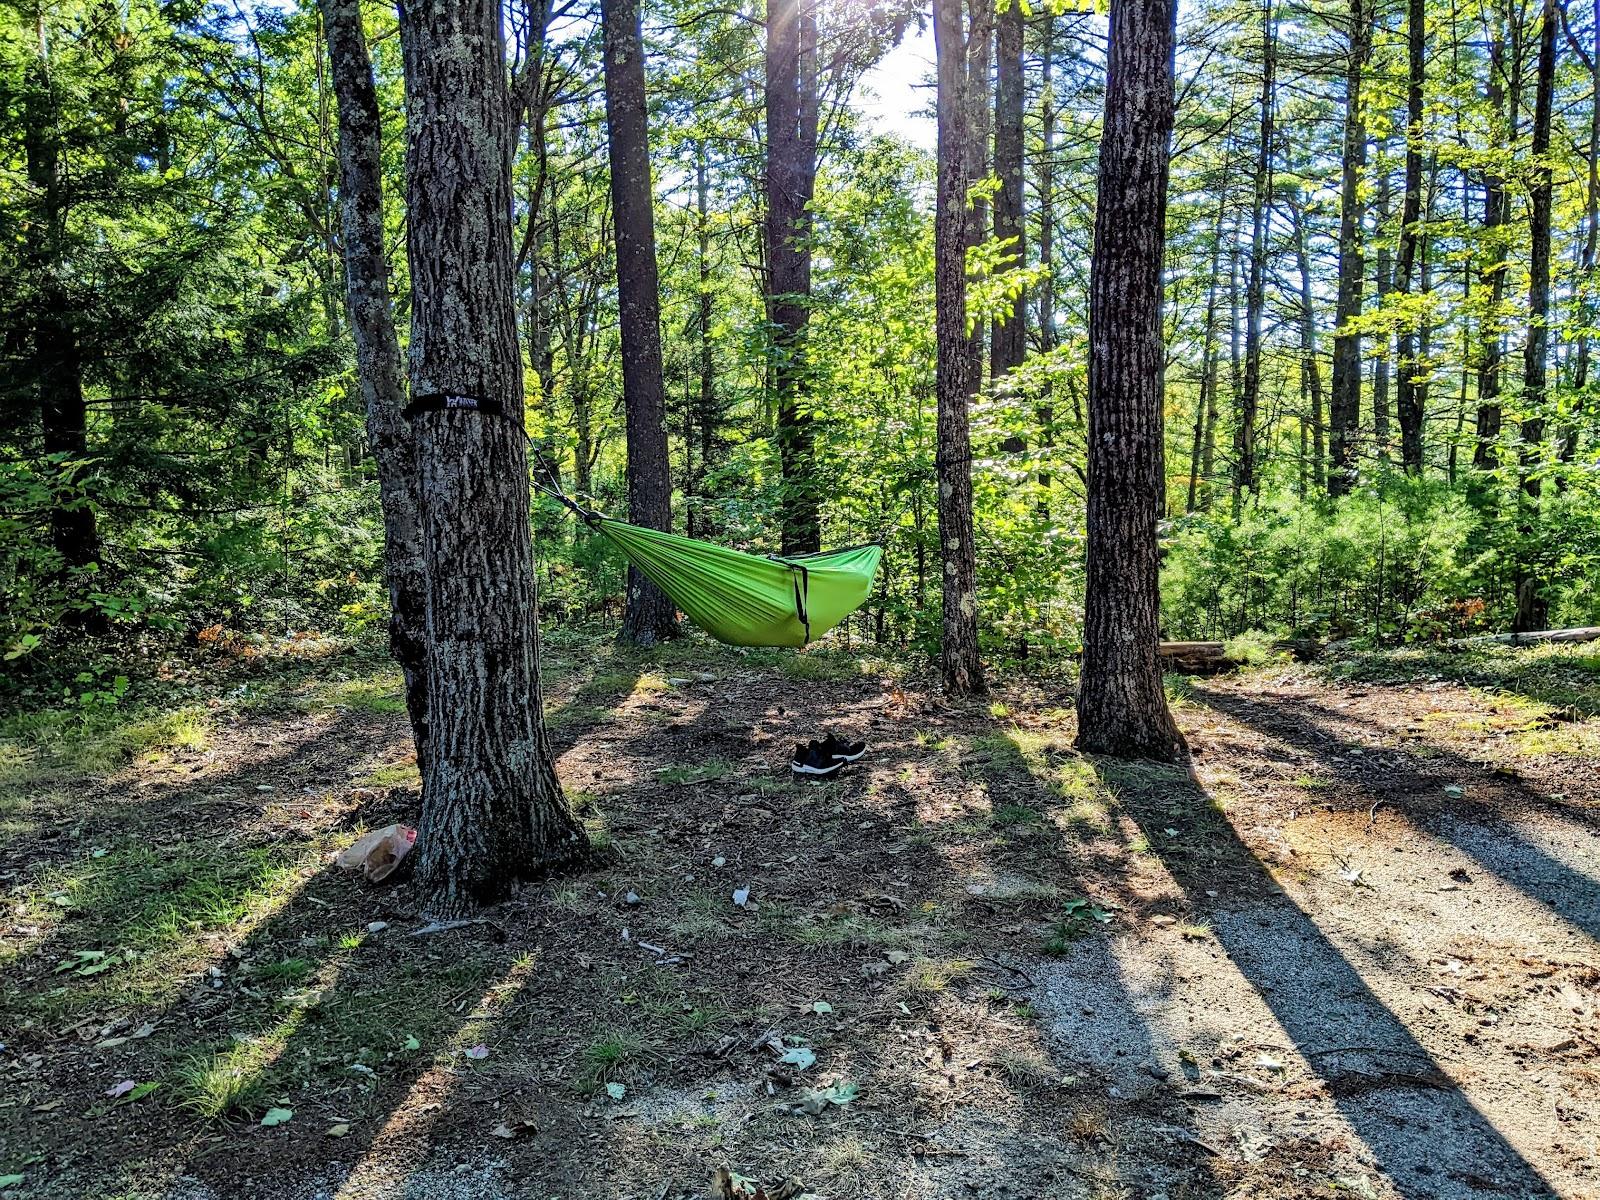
[1211, 658]
[1195, 658]
[1586, 633]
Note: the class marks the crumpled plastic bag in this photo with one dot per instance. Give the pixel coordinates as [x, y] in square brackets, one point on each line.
[378, 855]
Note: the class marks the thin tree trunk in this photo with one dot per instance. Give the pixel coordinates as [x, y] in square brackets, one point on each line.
[1532, 606]
[1045, 412]
[1492, 276]
[707, 404]
[1412, 392]
[791, 100]
[492, 811]
[962, 667]
[649, 616]
[1245, 480]
[1382, 284]
[1345, 389]
[1310, 360]
[1008, 338]
[380, 371]
[1591, 228]
[980, 43]
[1207, 402]
[57, 355]
[1122, 708]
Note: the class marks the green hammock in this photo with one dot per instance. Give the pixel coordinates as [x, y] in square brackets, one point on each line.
[745, 599]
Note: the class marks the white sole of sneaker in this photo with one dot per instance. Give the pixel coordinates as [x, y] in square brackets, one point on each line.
[849, 758]
[802, 769]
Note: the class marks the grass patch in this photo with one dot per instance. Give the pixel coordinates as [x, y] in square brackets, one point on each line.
[933, 976]
[221, 1084]
[685, 773]
[379, 695]
[150, 912]
[392, 775]
[1013, 816]
[96, 741]
[608, 1058]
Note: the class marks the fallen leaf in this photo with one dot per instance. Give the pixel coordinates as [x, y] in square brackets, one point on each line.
[616, 1090]
[821, 1006]
[514, 1130]
[277, 1116]
[799, 1057]
[121, 1089]
[412, 1043]
[478, 1051]
[741, 896]
[338, 1130]
[11, 1181]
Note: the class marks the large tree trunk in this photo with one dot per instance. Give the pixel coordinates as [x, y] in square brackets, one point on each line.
[1344, 402]
[1244, 436]
[1533, 609]
[1411, 397]
[379, 369]
[791, 66]
[962, 667]
[1008, 339]
[492, 811]
[649, 616]
[1122, 708]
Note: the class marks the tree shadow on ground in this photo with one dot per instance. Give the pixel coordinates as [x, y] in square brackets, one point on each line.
[1446, 795]
[1386, 1085]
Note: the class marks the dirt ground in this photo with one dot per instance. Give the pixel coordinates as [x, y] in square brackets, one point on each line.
[1350, 950]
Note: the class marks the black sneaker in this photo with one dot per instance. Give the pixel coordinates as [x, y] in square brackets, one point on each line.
[844, 752]
[811, 760]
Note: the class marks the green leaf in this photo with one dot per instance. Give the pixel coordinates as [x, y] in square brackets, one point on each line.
[844, 1092]
[277, 1116]
[616, 1090]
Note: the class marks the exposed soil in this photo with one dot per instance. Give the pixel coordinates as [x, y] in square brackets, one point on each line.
[1353, 951]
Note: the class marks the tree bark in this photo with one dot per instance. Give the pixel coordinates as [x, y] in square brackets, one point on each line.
[791, 111]
[649, 616]
[1122, 708]
[57, 355]
[1008, 339]
[1591, 231]
[1344, 402]
[1533, 609]
[492, 811]
[707, 407]
[1209, 354]
[1492, 277]
[1310, 360]
[980, 42]
[1411, 396]
[380, 371]
[1382, 285]
[1244, 436]
[962, 666]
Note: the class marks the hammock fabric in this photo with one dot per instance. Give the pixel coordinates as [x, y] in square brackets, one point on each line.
[745, 599]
